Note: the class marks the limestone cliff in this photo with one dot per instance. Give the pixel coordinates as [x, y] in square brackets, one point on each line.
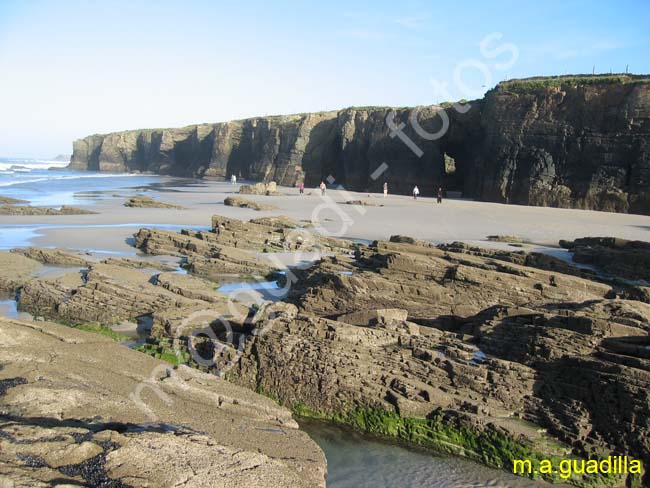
[565, 141]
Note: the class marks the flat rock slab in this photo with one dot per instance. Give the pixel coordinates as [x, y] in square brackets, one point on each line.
[140, 201]
[15, 270]
[246, 203]
[27, 210]
[151, 425]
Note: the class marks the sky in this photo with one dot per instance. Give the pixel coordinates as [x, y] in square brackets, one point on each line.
[73, 68]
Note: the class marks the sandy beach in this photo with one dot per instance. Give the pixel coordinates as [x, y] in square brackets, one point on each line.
[113, 224]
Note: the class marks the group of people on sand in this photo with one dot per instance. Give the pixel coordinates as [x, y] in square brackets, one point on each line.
[323, 187]
[416, 190]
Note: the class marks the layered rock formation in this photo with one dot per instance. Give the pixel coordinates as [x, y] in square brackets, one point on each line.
[29, 210]
[140, 201]
[488, 354]
[578, 143]
[460, 350]
[616, 257]
[247, 203]
[569, 141]
[77, 409]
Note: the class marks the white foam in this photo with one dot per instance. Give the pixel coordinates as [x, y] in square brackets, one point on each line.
[28, 165]
[71, 177]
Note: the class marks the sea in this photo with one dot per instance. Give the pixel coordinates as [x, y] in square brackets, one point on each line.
[49, 183]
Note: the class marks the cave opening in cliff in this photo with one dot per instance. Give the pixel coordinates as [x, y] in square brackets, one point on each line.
[455, 171]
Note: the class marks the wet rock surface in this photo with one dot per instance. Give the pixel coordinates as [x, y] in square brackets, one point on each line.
[91, 413]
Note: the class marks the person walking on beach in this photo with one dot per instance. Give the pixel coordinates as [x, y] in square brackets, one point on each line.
[302, 188]
[233, 179]
[385, 189]
[322, 188]
[439, 194]
[416, 192]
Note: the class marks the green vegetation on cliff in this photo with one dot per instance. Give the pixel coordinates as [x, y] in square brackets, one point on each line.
[528, 85]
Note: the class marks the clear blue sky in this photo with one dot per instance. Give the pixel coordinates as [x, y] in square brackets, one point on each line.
[73, 68]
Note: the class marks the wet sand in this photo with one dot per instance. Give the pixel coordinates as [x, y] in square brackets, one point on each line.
[111, 228]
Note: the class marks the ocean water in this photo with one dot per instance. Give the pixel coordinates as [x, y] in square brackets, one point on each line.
[355, 460]
[48, 183]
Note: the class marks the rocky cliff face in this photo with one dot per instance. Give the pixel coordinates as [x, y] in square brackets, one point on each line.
[584, 145]
[569, 141]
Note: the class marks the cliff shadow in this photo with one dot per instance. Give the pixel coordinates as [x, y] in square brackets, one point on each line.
[322, 156]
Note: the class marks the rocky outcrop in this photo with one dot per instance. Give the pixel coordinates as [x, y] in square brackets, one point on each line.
[614, 256]
[11, 201]
[246, 203]
[110, 294]
[28, 210]
[579, 142]
[487, 354]
[76, 409]
[53, 257]
[15, 271]
[259, 189]
[476, 343]
[453, 347]
[140, 201]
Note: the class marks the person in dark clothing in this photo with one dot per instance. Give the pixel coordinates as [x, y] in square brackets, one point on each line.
[439, 194]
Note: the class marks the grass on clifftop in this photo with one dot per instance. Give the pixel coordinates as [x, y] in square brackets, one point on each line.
[527, 85]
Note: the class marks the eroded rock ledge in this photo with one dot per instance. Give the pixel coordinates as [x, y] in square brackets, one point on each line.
[76, 408]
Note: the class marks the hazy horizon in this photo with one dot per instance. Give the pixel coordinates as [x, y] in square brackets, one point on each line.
[72, 69]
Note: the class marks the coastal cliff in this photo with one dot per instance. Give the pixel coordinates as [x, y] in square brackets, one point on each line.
[580, 142]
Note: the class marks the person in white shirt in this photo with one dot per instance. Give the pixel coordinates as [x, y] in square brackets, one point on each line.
[416, 192]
